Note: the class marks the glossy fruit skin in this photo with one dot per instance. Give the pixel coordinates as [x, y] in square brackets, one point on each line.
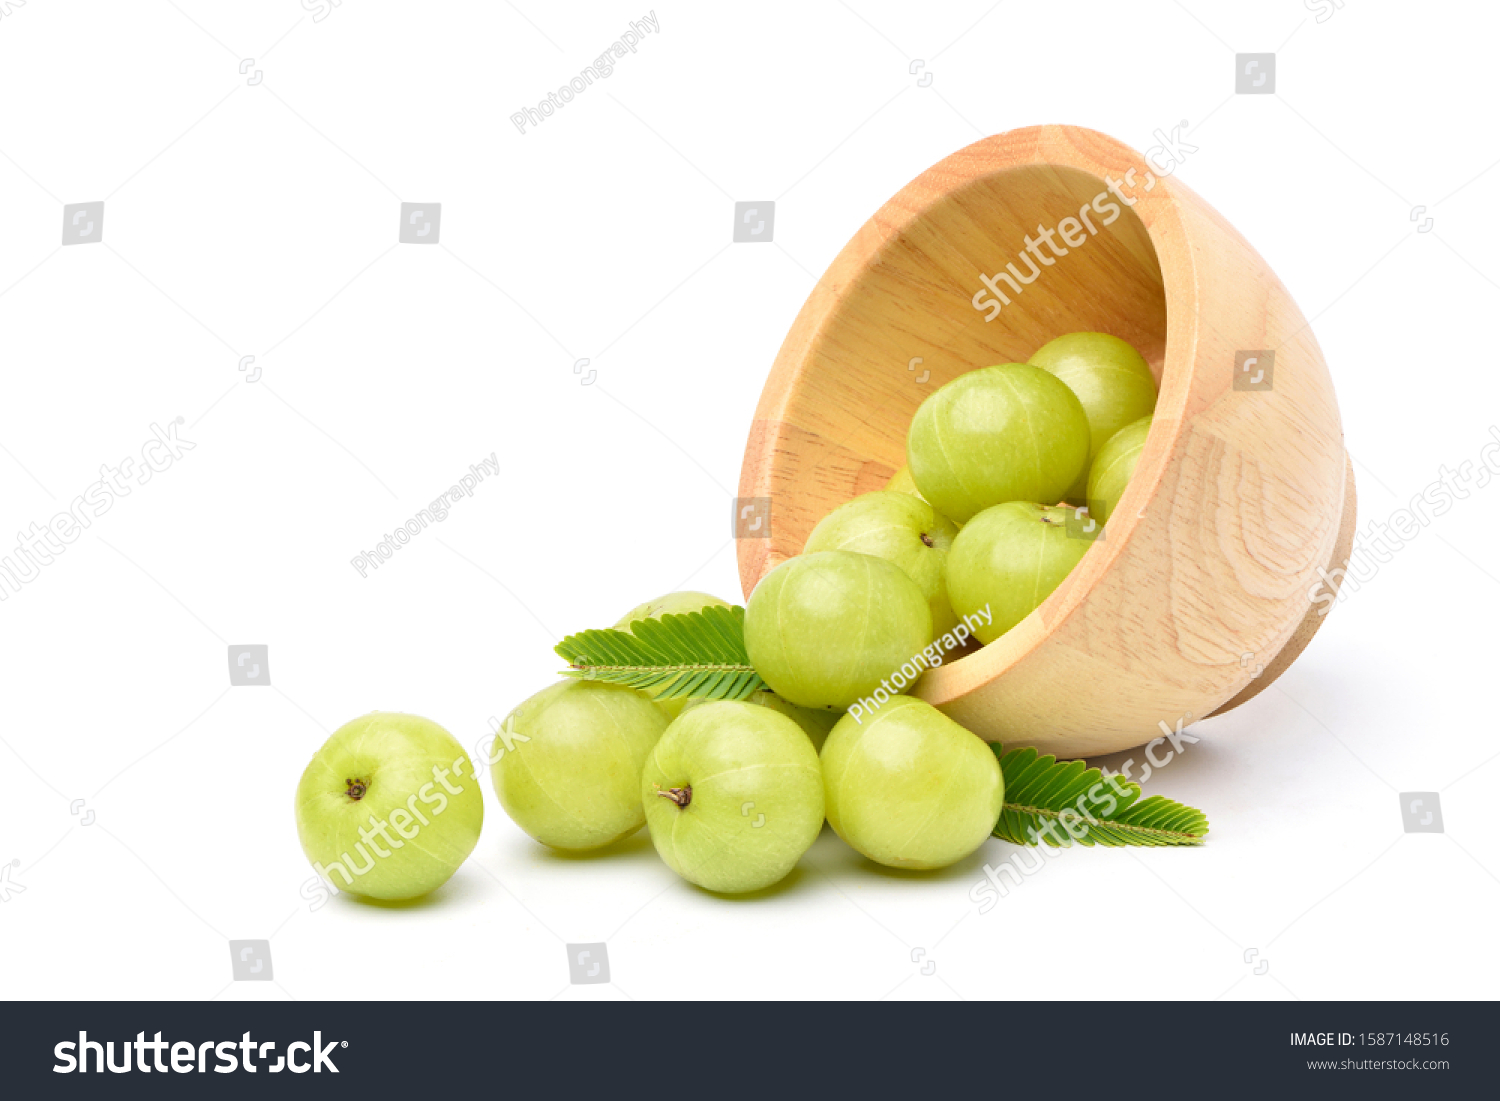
[824, 629]
[567, 763]
[904, 530]
[671, 604]
[1010, 558]
[814, 723]
[901, 482]
[1112, 381]
[410, 786]
[755, 796]
[910, 788]
[1114, 467]
[1007, 433]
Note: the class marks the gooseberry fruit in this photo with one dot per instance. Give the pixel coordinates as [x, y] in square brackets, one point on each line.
[825, 628]
[734, 796]
[1114, 467]
[902, 529]
[1008, 559]
[1007, 433]
[901, 482]
[815, 723]
[389, 807]
[567, 762]
[908, 787]
[1112, 381]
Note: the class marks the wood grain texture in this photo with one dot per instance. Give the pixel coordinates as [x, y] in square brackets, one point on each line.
[1238, 497]
[1316, 611]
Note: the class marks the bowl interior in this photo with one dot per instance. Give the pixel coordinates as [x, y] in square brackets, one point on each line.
[910, 319]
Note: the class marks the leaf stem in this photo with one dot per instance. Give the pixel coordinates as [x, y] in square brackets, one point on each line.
[1123, 827]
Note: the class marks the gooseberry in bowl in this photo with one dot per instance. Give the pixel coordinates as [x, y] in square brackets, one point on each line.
[901, 482]
[901, 528]
[1007, 433]
[1008, 559]
[1251, 498]
[1112, 381]
[1114, 466]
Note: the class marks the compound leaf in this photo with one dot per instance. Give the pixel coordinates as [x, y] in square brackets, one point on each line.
[691, 654]
[1059, 802]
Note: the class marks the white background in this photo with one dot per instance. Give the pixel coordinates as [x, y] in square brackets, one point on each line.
[261, 219]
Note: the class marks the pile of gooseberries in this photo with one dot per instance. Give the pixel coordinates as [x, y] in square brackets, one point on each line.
[1010, 472]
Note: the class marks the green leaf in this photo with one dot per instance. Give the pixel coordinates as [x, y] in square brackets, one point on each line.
[1059, 802]
[692, 654]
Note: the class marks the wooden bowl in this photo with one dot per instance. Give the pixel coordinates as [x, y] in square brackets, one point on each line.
[1203, 591]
